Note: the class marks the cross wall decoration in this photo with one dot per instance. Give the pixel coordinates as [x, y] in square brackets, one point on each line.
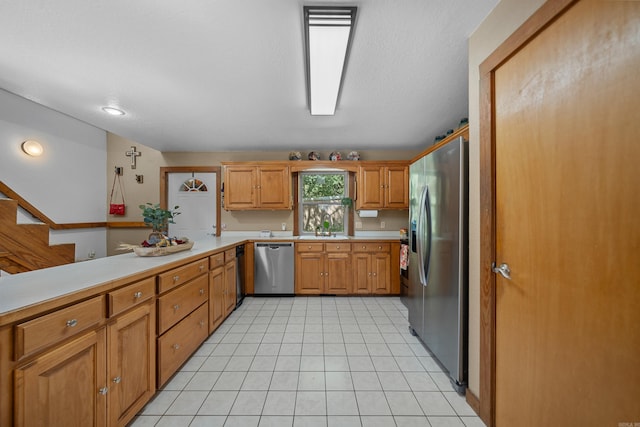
[133, 154]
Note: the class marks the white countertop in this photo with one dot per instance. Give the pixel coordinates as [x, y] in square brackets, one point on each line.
[25, 289]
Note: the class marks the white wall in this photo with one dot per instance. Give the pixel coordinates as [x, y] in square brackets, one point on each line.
[67, 182]
[503, 20]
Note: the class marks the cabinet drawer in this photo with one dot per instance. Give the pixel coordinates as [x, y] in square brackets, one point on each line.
[338, 247]
[131, 295]
[181, 275]
[309, 247]
[229, 255]
[216, 260]
[371, 247]
[175, 305]
[177, 345]
[44, 331]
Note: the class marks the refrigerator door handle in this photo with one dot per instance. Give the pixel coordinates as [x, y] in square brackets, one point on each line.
[425, 211]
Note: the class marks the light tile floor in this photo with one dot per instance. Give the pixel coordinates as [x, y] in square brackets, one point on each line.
[311, 361]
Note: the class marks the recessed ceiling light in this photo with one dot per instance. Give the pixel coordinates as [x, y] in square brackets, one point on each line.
[113, 111]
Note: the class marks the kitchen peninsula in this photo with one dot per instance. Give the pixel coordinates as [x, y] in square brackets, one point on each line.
[92, 341]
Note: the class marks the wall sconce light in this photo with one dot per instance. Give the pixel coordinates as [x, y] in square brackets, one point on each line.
[32, 148]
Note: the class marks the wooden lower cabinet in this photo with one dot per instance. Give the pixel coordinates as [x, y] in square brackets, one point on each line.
[217, 287]
[131, 363]
[372, 268]
[179, 342]
[323, 268]
[65, 386]
[230, 273]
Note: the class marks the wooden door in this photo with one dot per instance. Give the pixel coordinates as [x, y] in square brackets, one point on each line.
[239, 187]
[338, 273]
[131, 366]
[310, 273]
[362, 273]
[370, 188]
[274, 187]
[230, 288]
[397, 187]
[567, 205]
[216, 298]
[381, 267]
[61, 388]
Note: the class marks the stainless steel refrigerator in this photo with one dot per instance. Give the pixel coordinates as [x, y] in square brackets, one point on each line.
[438, 278]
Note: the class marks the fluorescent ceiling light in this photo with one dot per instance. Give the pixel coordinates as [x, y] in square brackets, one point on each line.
[328, 32]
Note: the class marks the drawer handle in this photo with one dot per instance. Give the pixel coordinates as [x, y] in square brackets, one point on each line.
[176, 278]
[137, 295]
[201, 291]
[176, 346]
[176, 307]
[117, 380]
[103, 391]
[71, 323]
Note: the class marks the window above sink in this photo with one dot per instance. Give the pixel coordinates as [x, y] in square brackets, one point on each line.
[321, 208]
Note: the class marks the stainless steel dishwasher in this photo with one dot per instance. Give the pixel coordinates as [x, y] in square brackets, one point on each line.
[273, 268]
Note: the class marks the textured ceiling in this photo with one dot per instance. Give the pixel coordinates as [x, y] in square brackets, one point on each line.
[229, 75]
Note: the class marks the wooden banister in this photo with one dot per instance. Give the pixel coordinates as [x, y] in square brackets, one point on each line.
[34, 212]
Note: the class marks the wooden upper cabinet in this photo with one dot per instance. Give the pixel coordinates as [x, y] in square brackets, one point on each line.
[383, 187]
[262, 186]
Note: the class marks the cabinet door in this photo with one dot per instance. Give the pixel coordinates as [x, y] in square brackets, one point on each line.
[274, 187]
[370, 188]
[381, 273]
[310, 273]
[397, 187]
[230, 287]
[216, 298]
[239, 187]
[338, 273]
[65, 386]
[362, 273]
[132, 357]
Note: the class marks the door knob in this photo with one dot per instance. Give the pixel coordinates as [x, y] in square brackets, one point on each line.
[503, 270]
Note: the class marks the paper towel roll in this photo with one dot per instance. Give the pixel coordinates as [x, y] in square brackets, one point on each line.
[368, 214]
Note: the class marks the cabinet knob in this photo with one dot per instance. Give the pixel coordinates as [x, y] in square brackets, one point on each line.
[338, 247]
[201, 323]
[369, 274]
[176, 307]
[379, 247]
[322, 273]
[375, 274]
[201, 291]
[117, 380]
[176, 278]
[176, 346]
[103, 391]
[364, 247]
[201, 267]
[137, 295]
[308, 247]
[71, 323]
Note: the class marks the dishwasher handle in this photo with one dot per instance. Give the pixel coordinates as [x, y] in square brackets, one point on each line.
[274, 246]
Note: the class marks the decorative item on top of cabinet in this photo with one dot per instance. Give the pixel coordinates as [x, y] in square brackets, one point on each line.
[252, 186]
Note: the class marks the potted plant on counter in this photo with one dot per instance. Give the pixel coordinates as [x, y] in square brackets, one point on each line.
[157, 218]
